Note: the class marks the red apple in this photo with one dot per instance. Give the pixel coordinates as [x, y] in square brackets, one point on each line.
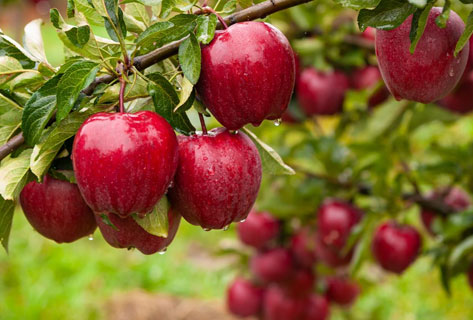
[278, 305]
[244, 299]
[335, 221]
[433, 70]
[303, 248]
[243, 81]
[275, 265]
[457, 198]
[366, 78]
[317, 308]
[300, 283]
[459, 100]
[218, 178]
[342, 291]
[395, 247]
[127, 233]
[56, 210]
[258, 229]
[321, 93]
[369, 34]
[330, 257]
[124, 163]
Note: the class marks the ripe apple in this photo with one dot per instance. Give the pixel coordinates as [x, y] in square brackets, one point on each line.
[321, 93]
[278, 305]
[342, 291]
[369, 33]
[459, 100]
[300, 283]
[218, 178]
[258, 229]
[396, 246]
[335, 221]
[317, 308]
[124, 162]
[243, 81]
[366, 78]
[127, 233]
[303, 248]
[433, 70]
[275, 265]
[244, 299]
[457, 198]
[56, 209]
[332, 257]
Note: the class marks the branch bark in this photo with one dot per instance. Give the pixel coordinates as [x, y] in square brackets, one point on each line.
[257, 11]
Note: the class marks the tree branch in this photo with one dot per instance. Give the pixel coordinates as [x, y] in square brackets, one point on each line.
[257, 11]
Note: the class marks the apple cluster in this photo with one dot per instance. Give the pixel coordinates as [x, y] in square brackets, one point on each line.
[127, 165]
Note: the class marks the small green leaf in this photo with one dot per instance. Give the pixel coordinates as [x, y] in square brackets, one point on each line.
[150, 3]
[92, 16]
[271, 161]
[9, 68]
[76, 78]
[10, 48]
[166, 8]
[156, 222]
[465, 37]
[39, 110]
[358, 4]
[189, 58]
[419, 21]
[387, 15]
[79, 36]
[442, 19]
[14, 174]
[9, 123]
[165, 100]
[206, 26]
[138, 12]
[70, 10]
[150, 35]
[33, 40]
[184, 93]
[7, 207]
[229, 7]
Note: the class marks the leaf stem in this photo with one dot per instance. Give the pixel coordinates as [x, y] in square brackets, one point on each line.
[219, 17]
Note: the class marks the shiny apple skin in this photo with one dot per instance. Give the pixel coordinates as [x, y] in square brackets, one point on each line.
[247, 75]
[244, 299]
[129, 234]
[395, 247]
[432, 71]
[124, 163]
[321, 93]
[218, 178]
[56, 209]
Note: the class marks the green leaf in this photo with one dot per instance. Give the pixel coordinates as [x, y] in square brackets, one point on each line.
[165, 100]
[39, 165]
[358, 4]
[6, 104]
[33, 40]
[460, 251]
[39, 110]
[387, 15]
[79, 36]
[70, 10]
[419, 21]
[271, 161]
[76, 78]
[189, 58]
[206, 26]
[156, 222]
[445, 279]
[14, 174]
[150, 3]
[92, 16]
[9, 67]
[9, 123]
[133, 24]
[7, 207]
[150, 35]
[465, 37]
[442, 19]
[10, 48]
[245, 3]
[166, 8]
[138, 12]
[229, 7]
[30, 80]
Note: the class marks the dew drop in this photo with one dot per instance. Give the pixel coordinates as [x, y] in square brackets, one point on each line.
[233, 131]
[226, 228]
[163, 251]
[451, 72]
[241, 221]
[207, 229]
[90, 237]
[171, 184]
[277, 122]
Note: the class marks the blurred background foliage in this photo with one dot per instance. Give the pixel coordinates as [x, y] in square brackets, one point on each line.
[44, 280]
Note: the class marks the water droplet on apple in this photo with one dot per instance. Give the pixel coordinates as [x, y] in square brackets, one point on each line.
[207, 229]
[233, 131]
[91, 237]
[163, 251]
[277, 122]
[226, 228]
[171, 184]
[241, 221]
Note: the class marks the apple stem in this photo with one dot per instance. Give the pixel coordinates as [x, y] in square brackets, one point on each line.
[121, 94]
[202, 123]
[219, 17]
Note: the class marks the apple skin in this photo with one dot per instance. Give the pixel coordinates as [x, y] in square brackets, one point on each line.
[258, 229]
[243, 81]
[366, 78]
[124, 163]
[302, 246]
[457, 198]
[317, 308]
[321, 93]
[330, 257]
[275, 265]
[244, 299]
[459, 100]
[300, 283]
[432, 71]
[395, 247]
[335, 221]
[342, 291]
[218, 178]
[278, 305]
[131, 235]
[56, 209]
[369, 34]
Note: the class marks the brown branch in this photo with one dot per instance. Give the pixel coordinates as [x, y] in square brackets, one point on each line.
[257, 11]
